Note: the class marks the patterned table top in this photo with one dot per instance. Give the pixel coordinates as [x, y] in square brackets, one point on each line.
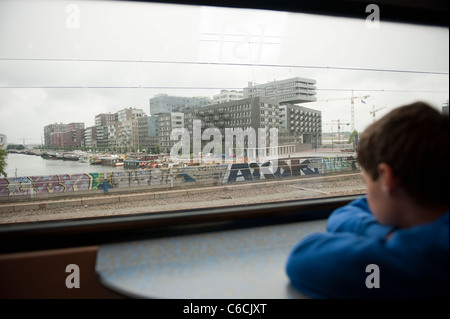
[244, 263]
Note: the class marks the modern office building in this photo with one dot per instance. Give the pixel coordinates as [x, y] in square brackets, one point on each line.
[152, 126]
[51, 130]
[74, 136]
[118, 131]
[164, 103]
[129, 114]
[228, 96]
[253, 113]
[127, 136]
[298, 127]
[102, 121]
[148, 133]
[293, 91]
[166, 123]
[90, 137]
[303, 124]
[110, 136]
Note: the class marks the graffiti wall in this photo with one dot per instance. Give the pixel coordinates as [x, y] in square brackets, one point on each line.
[174, 177]
[289, 168]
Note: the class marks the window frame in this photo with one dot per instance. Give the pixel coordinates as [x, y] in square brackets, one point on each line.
[56, 234]
[100, 230]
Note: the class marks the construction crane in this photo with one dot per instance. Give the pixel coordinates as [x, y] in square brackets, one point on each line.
[352, 105]
[353, 108]
[339, 123]
[373, 112]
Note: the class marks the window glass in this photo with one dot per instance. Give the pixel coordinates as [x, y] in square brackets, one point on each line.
[112, 98]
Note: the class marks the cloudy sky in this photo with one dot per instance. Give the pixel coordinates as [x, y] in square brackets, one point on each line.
[66, 61]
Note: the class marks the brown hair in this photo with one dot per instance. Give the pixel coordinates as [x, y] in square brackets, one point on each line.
[414, 140]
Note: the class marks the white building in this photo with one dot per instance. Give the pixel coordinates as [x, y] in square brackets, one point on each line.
[164, 103]
[166, 123]
[90, 137]
[293, 91]
[129, 114]
[228, 96]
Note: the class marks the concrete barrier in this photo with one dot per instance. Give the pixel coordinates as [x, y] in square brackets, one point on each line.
[160, 181]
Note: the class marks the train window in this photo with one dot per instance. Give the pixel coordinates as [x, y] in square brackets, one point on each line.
[120, 107]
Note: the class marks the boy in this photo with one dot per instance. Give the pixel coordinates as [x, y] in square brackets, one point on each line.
[394, 242]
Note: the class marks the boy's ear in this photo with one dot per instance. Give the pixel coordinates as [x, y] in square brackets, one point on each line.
[387, 178]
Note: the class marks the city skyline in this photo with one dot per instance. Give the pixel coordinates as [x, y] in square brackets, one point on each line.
[55, 70]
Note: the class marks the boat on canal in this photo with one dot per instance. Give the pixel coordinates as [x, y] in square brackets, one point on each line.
[49, 155]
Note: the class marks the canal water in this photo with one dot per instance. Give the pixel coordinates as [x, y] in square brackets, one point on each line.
[31, 165]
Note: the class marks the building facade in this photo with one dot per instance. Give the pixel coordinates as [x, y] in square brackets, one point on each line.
[292, 91]
[246, 113]
[51, 130]
[127, 136]
[129, 114]
[102, 121]
[303, 124]
[90, 137]
[118, 131]
[228, 96]
[164, 103]
[64, 135]
[166, 123]
[148, 133]
[111, 136]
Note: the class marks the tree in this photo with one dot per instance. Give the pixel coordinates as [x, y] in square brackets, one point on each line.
[15, 147]
[352, 136]
[157, 150]
[3, 154]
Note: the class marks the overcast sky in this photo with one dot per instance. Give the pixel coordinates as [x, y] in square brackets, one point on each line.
[64, 61]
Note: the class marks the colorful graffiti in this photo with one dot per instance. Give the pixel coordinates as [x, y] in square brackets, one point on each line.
[202, 174]
[49, 184]
[289, 168]
[208, 174]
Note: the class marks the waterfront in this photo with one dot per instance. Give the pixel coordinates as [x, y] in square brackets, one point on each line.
[32, 165]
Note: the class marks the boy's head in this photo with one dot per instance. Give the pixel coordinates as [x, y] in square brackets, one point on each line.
[408, 149]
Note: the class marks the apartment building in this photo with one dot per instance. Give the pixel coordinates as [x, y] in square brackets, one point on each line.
[228, 96]
[164, 103]
[293, 91]
[166, 123]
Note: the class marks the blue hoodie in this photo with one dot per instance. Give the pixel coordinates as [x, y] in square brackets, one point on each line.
[413, 263]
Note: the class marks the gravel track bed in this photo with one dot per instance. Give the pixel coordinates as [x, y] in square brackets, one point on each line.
[224, 196]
